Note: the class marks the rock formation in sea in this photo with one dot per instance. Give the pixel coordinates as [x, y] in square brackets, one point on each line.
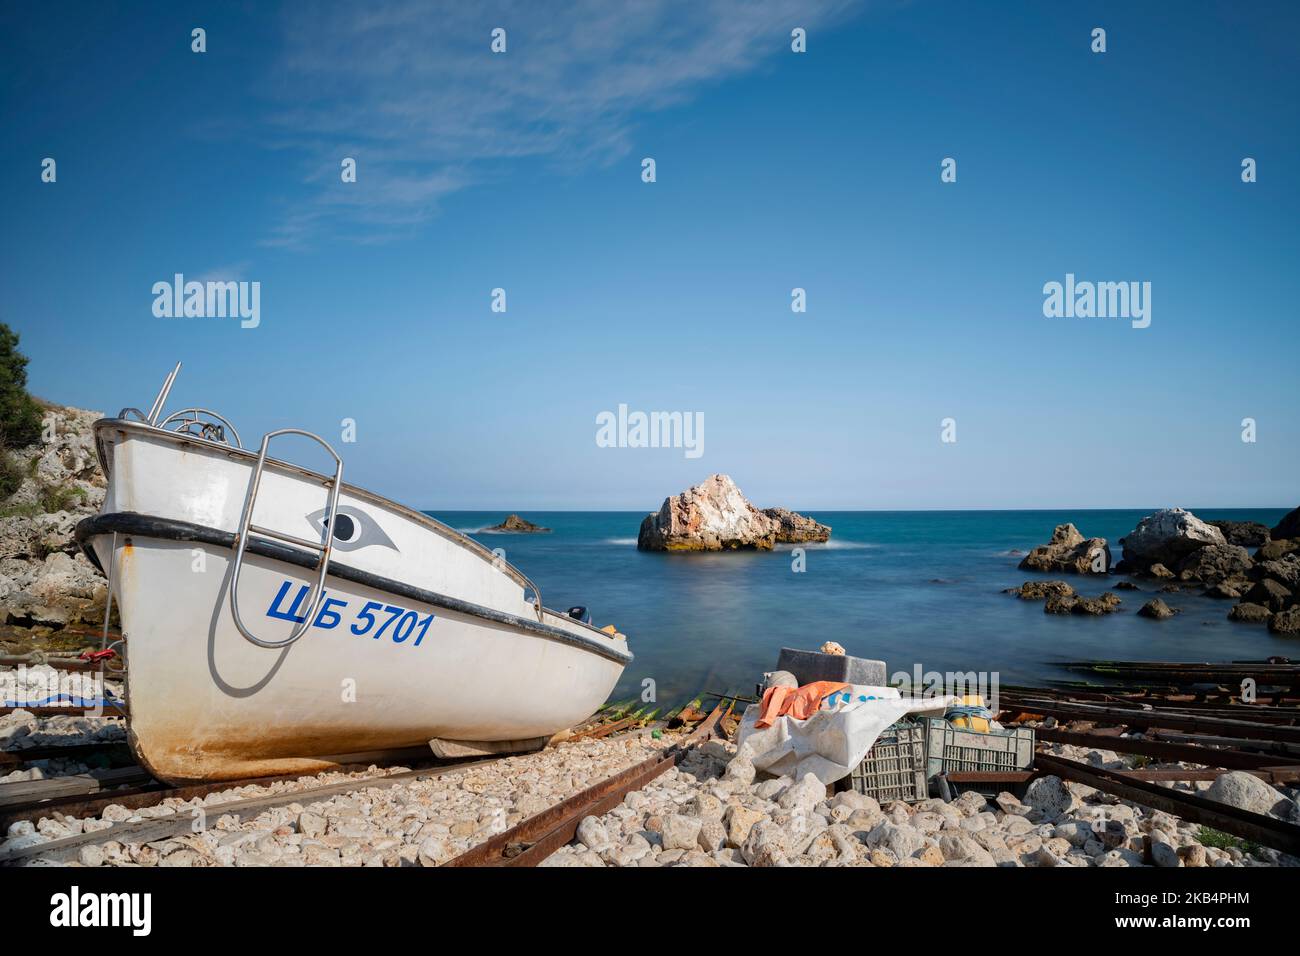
[1041, 590]
[1069, 552]
[1176, 546]
[794, 528]
[1215, 564]
[1288, 528]
[1167, 537]
[1107, 603]
[1158, 609]
[1248, 534]
[715, 516]
[517, 525]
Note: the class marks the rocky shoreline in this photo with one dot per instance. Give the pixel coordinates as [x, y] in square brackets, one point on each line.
[424, 822]
[714, 809]
[1178, 549]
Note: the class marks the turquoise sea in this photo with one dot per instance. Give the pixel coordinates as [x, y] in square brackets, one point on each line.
[908, 587]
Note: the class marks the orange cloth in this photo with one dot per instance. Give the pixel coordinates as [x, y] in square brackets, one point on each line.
[797, 702]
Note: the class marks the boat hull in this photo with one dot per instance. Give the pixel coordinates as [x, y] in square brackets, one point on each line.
[385, 664]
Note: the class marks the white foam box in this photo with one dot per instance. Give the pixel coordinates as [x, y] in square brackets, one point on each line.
[809, 666]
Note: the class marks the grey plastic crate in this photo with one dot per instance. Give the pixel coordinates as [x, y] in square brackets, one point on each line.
[809, 666]
[950, 749]
[894, 767]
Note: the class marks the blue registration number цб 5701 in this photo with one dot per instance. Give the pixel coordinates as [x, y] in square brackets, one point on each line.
[375, 617]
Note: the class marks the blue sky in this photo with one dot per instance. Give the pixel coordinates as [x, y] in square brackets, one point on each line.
[775, 170]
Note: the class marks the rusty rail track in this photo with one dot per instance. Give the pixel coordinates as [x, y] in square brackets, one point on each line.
[59, 664]
[161, 828]
[1153, 718]
[1272, 775]
[1258, 713]
[1170, 696]
[533, 840]
[23, 794]
[1242, 823]
[153, 793]
[1286, 752]
[139, 790]
[1160, 750]
[110, 709]
[16, 758]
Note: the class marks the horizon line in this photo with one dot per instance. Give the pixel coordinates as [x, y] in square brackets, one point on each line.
[1285, 508]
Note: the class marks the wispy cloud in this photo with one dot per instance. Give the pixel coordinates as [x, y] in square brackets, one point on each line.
[230, 272]
[411, 90]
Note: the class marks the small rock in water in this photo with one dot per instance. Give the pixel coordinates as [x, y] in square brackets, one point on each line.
[1156, 608]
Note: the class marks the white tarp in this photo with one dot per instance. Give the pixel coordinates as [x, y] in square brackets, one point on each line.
[833, 741]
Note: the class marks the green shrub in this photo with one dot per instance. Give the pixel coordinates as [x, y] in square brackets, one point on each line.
[20, 416]
[1207, 836]
[60, 498]
[11, 474]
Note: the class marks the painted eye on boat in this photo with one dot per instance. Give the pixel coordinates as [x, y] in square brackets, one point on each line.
[345, 529]
[353, 529]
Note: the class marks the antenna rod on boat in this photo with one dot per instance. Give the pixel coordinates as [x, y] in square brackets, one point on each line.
[156, 408]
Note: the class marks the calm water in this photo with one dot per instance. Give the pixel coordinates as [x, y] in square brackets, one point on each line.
[903, 587]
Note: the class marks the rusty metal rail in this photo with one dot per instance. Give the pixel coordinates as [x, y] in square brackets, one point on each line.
[15, 758]
[1215, 703]
[1273, 775]
[110, 709]
[152, 793]
[1242, 823]
[530, 842]
[1133, 717]
[1256, 713]
[59, 664]
[25, 793]
[1286, 752]
[161, 828]
[1160, 750]
[533, 840]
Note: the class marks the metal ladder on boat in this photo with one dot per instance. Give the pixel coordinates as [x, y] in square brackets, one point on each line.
[323, 548]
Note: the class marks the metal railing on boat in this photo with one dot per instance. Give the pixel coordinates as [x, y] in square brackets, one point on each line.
[323, 548]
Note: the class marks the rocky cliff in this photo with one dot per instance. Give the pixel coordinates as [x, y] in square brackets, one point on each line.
[45, 582]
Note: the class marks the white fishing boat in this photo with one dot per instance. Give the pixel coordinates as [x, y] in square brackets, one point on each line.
[259, 643]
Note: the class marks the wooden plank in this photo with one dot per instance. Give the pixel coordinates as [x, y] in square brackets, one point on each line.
[603, 730]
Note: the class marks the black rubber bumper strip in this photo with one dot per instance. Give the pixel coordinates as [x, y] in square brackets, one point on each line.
[170, 529]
